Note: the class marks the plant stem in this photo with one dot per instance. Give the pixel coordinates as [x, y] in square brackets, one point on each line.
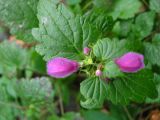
[145, 3]
[87, 5]
[60, 100]
[128, 114]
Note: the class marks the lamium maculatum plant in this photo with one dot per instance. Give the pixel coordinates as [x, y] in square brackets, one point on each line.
[96, 54]
[65, 40]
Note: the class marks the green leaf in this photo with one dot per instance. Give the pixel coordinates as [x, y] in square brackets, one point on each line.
[155, 5]
[118, 112]
[66, 116]
[53, 117]
[3, 93]
[71, 116]
[152, 53]
[61, 33]
[20, 16]
[8, 85]
[156, 38]
[157, 100]
[73, 2]
[125, 9]
[1, 69]
[91, 104]
[12, 56]
[94, 92]
[111, 70]
[105, 4]
[100, 19]
[107, 49]
[37, 63]
[133, 44]
[144, 24]
[95, 115]
[133, 87]
[121, 26]
[8, 112]
[34, 91]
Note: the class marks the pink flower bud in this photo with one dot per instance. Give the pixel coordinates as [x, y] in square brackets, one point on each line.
[130, 62]
[86, 50]
[98, 72]
[61, 67]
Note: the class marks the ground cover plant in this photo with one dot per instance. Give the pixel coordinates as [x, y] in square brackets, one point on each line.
[80, 60]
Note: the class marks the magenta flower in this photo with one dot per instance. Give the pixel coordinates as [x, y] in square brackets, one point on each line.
[61, 67]
[98, 72]
[130, 62]
[86, 50]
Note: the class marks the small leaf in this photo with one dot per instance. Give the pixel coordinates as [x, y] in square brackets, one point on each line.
[12, 56]
[144, 24]
[156, 38]
[20, 16]
[125, 9]
[104, 4]
[117, 111]
[73, 2]
[133, 44]
[111, 70]
[91, 104]
[94, 91]
[156, 100]
[155, 5]
[71, 116]
[133, 87]
[8, 85]
[100, 19]
[121, 26]
[11, 91]
[95, 115]
[38, 90]
[3, 94]
[8, 112]
[107, 49]
[152, 53]
[37, 63]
